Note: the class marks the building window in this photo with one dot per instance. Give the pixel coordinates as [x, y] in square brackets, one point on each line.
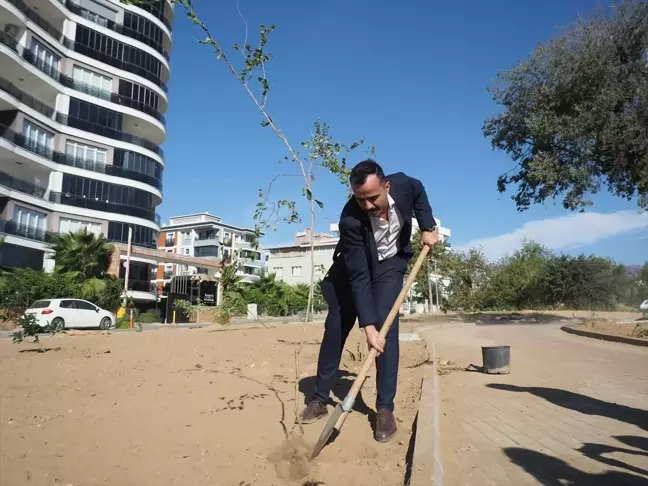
[138, 93]
[105, 196]
[186, 251]
[206, 251]
[94, 118]
[91, 82]
[29, 218]
[156, 8]
[93, 17]
[67, 225]
[278, 271]
[84, 152]
[142, 236]
[138, 163]
[45, 59]
[37, 137]
[169, 239]
[296, 271]
[115, 53]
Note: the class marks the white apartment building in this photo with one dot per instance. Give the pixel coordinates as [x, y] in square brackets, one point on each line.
[82, 96]
[206, 236]
[292, 263]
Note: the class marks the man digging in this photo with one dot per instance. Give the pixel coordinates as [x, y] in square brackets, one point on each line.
[365, 279]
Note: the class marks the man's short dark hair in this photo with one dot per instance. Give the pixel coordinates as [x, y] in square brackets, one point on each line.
[363, 170]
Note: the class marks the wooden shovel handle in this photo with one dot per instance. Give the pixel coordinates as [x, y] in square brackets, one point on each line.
[357, 384]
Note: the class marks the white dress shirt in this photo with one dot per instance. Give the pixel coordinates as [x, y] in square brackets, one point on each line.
[387, 231]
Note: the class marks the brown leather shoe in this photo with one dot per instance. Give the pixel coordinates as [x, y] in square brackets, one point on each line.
[314, 411]
[385, 425]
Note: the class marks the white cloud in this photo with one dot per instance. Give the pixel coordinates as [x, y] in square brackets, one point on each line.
[565, 232]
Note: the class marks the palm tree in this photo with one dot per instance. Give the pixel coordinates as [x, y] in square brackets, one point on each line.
[83, 253]
[229, 280]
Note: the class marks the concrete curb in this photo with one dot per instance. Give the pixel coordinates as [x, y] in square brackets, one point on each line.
[605, 337]
[427, 467]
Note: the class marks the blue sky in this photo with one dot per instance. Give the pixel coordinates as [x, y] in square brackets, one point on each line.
[408, 76]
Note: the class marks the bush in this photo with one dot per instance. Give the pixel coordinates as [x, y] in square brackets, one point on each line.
[21, 287]
[30, 328]
[151, 316]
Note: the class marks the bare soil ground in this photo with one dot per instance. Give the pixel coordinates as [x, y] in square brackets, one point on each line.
[637, 330]
[185, 407]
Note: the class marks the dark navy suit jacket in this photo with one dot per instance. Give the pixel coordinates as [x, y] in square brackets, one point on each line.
[356, 255]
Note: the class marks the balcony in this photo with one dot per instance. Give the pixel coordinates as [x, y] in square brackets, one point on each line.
[37, 19]
[9, 41]
[20, 185]
[120, 29]
[24, 231]
[115, 62]
[20, 140]
[142, 286]
[26, 99]
[104, 131]
[156, 12]
[169, 242]
[72, 83]
[206, 252]
[97, 205]
[213, 241]
[112, 97]
[167, 275]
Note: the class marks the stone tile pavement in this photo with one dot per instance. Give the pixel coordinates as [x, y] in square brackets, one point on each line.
[573, 410]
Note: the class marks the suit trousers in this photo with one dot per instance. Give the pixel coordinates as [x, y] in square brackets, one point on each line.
[386, 284]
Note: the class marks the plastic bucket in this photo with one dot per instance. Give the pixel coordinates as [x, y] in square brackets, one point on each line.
[496, 359]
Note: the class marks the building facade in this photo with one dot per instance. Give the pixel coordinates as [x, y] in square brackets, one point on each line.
[292, 263]
[206, 236]
[83, 91]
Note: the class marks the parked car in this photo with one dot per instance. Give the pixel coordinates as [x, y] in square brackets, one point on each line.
[71, 313]
[644, 306]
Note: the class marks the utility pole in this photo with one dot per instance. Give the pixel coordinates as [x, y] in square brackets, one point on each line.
[128, 255]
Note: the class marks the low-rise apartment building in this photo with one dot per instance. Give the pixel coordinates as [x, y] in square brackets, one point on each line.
[292, 263]
[206, 236]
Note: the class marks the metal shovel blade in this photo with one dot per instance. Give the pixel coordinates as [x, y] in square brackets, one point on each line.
[328, 430]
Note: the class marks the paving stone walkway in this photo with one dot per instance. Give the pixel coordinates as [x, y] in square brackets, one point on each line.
[573, 411]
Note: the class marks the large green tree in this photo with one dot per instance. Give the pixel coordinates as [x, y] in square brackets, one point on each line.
[575, 114]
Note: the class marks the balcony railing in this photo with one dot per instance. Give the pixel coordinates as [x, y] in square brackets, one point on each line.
[142, 286]
[24, 231]
[69, 82]
[108, 169]
[105, 131]
[111, 207]
[115, 62]
[156, 12]
[121, 29]
[20, 185]
[26, 99]
[169, 242]
[113, 97]
[61, 158]
[9, 41]
[37, 19]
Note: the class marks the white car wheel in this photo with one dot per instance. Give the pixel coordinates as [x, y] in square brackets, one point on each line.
[105, 323]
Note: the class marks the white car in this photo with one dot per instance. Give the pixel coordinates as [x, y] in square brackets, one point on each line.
[71, 313]
[644, 305]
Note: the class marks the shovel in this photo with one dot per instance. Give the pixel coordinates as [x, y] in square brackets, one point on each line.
[339, 415]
